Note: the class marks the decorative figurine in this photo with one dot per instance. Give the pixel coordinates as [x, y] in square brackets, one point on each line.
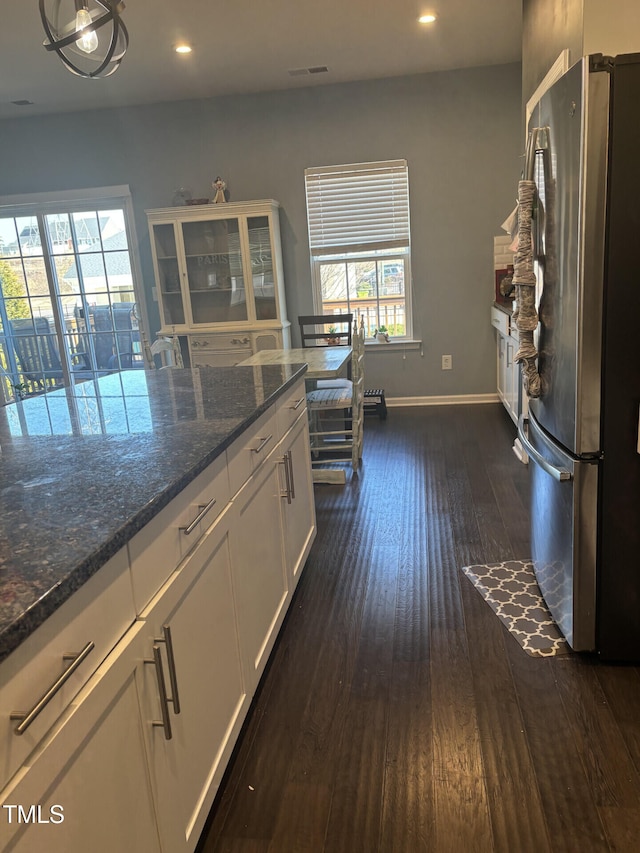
[222, 193]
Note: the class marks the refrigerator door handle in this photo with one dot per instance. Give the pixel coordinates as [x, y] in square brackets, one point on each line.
[557, 473]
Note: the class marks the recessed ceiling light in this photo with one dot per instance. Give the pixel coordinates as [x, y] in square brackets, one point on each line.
[426, 19]
[183, 48]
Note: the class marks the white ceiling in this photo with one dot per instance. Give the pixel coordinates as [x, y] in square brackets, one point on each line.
[245, 46]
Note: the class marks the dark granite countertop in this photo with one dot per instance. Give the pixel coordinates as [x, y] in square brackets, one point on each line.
[507, 307]
[83, 469]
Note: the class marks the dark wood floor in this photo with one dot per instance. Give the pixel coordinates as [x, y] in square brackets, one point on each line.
[397, 714]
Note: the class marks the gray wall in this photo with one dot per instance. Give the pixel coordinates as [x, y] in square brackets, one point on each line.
[581, 26]
[548, 28]
[459, 131]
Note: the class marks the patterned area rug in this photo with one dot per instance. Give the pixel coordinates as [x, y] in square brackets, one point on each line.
[511, 590]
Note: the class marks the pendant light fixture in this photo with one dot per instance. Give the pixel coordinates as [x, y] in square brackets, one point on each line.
[88, 35]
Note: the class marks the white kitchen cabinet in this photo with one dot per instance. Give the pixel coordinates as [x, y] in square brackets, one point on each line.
[219, 279]
[90, 770]
[133, 746]
[274, 526]
[252, 449]
[297, 502]
[513, 374]
[88, 625]
[191, 622]
[508, 376]
[156, 550]
[260, 578]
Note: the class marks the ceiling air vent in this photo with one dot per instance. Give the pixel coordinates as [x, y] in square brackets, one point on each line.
[314, 69]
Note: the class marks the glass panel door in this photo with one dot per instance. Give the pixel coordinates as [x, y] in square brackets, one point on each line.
[32, 358]
[168, 275]
[262, 274]
[94, 282]
[67, 302]
[214, 271]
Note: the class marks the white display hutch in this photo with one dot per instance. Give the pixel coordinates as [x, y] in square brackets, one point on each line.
[219, 279]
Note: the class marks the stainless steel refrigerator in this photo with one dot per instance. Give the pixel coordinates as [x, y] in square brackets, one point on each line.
[582, 431]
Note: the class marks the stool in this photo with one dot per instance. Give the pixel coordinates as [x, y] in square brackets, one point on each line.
[374, 402]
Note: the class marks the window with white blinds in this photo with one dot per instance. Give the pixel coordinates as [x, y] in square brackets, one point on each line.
[358, 207]
[358, 219]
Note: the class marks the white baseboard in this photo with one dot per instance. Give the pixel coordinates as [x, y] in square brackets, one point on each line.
[451, 400]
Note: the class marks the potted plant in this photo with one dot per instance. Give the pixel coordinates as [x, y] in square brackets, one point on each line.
[381, 334]
[332, 338]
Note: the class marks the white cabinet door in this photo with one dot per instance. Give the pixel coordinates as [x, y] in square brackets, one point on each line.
[501, 379]
[215, 280]
[86, 786]
[513, 376]
[191, 622]
[260, 578]
[298, 506]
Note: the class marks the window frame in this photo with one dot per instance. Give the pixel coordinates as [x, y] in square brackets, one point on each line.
[391, 243]
[70, 202]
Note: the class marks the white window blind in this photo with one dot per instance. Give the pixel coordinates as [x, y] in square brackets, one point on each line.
[358, 208]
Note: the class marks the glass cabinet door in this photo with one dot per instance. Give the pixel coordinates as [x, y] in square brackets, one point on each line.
[215, 277]
[168, 275]
[261, 258]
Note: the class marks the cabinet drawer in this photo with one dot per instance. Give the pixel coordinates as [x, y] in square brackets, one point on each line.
[500, 320]
[219, 358]
[220, 340]
[220, 349]
[249, 452]
[290, 406]
[156, 551]
[213, 495]
[99, 612]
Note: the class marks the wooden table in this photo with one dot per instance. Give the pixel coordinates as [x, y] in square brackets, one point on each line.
[322, 363]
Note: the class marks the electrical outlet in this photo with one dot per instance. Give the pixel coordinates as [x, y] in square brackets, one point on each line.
[447, 362]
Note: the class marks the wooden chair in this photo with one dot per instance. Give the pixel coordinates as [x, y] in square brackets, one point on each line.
[374, 397]
[37, 356]
[116, 341]
[311, 337]
[329, 433]
[168, 350]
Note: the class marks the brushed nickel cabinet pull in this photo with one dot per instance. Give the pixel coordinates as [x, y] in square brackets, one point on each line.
[196, 521]
[262, 444]
[293, 482]
[41, 704]
[298, 403]
[165, 722]
[173, 679]
[287, 476]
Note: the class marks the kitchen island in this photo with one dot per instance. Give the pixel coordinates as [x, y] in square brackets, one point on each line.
[153, 526]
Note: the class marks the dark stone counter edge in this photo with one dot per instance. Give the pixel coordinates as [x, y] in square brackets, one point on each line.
[21, 628]
[505, 308]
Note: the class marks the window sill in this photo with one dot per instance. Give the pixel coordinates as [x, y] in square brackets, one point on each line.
[393, 346]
